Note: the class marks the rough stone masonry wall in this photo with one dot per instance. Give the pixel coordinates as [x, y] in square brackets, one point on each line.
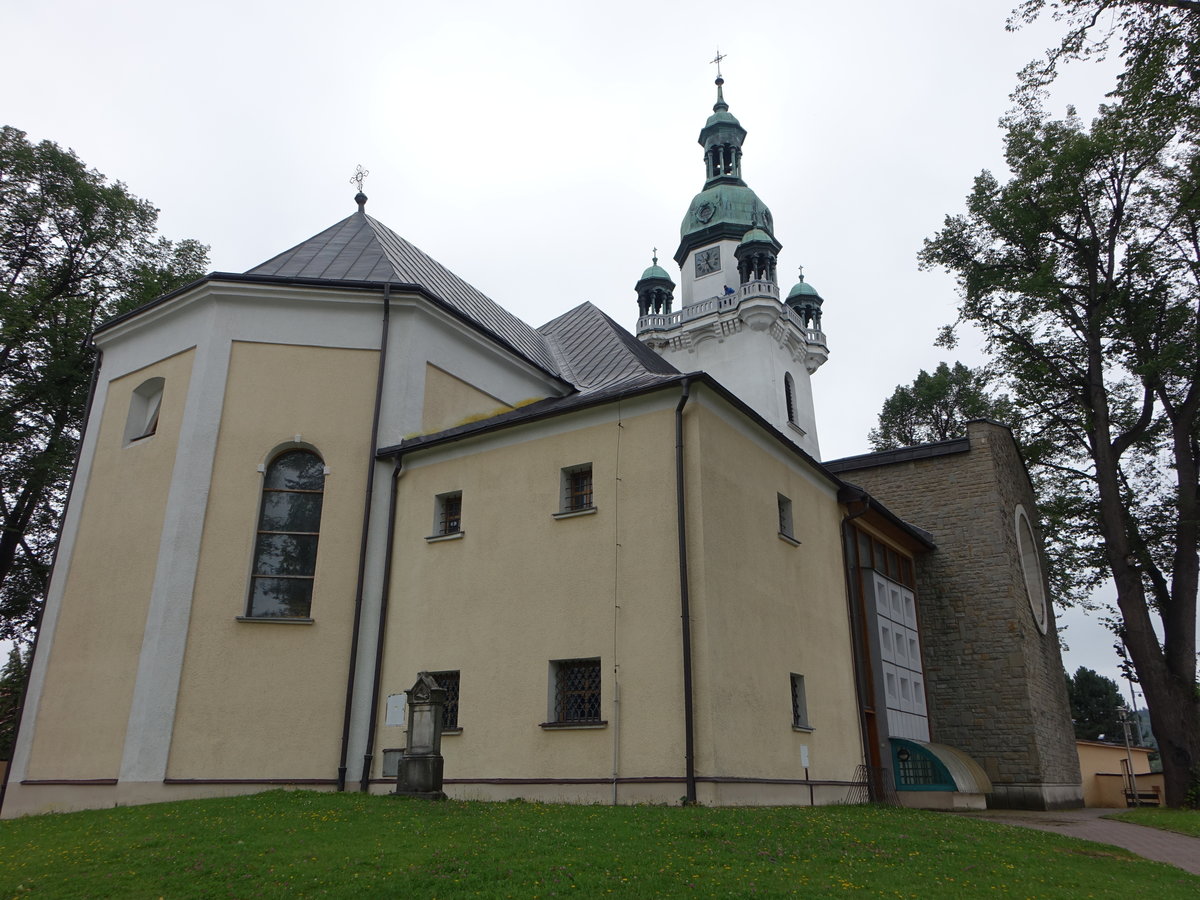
[995, 682]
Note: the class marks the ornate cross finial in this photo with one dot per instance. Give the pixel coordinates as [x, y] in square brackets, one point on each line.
[720, 56]
[654, 255]
[359, 176]
[801, 268]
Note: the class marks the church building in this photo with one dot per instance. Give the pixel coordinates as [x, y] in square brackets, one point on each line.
[618, 552]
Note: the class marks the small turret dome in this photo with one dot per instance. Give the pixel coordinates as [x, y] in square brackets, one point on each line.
[757, 236]
[803, 292]
[655, 271]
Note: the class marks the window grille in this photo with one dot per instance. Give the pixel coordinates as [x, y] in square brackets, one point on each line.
[918, 770]
[450, 513]
[577, 690]
[575, 493]
[448, 681]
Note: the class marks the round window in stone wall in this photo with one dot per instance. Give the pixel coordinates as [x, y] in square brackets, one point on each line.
[1031, 568]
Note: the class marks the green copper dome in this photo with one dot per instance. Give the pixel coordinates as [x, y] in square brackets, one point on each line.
[803, 292]
[757, 235]
[655, 271]
[727, 205]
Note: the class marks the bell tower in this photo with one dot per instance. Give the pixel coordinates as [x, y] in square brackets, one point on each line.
[731, 322]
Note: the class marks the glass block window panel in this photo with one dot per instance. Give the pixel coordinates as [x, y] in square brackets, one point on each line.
[289, 524]
[449, 682]
[577, 690]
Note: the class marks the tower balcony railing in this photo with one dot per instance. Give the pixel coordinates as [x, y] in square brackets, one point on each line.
[726, 303]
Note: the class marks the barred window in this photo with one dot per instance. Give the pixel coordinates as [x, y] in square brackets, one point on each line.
[449, 682]
[577, 691]
[448, 513]
[799, 703]
[289, 524]
[789, 397]
[577, 488]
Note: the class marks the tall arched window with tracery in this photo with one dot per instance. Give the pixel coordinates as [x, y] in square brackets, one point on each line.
[789, 396]
[289, 525]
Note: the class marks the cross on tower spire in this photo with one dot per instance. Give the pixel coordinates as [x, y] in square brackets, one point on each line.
[720, 56]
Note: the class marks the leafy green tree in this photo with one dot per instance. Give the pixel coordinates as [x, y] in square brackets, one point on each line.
[1095, 706]
[13, 678]
[1083, 273]
[1157, 40]
[937, 407]
[75, 250]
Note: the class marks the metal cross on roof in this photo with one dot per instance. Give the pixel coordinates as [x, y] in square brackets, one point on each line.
[654, 255]
[359, 176]
[720, 56]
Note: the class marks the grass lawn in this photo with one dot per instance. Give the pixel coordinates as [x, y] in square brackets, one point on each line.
[1185, 821]
[308, 844]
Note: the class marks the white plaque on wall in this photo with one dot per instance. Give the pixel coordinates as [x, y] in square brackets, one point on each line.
[397, 705]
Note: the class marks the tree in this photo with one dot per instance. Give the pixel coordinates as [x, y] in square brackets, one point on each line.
[937, 407]
[1095, 706]
[1083, 273]
[13, 678]
[75, 250]
[1159, 41]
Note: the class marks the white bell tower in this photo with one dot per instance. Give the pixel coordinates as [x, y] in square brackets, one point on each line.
[732, 322]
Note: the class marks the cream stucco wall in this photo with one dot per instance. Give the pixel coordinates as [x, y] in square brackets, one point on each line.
[522, 588]
[79, 732]
[265, 699]
[449, 400]
[765, 609]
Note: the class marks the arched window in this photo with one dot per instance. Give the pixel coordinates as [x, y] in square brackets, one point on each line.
[789, 396]
[285, 552]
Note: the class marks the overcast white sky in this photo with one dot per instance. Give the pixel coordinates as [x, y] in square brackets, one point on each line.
[541, 149]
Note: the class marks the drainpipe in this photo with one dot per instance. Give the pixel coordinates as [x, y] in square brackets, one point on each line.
[689, 724]
[62, 520]
[365, 782]
[366, 530]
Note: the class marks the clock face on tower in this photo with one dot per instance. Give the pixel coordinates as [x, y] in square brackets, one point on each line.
[708, 261]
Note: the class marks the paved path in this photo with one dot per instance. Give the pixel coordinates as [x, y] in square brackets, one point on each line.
[1164, 846]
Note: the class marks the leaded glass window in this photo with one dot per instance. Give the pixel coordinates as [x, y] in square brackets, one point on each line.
[289, 524]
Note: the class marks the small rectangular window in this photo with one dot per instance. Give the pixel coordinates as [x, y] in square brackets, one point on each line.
[785, 516]
[576, 493]
[799, 703]
[448, 513]
[449, 682]
[576, 691]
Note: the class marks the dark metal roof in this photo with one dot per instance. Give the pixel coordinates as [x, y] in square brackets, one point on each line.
[362, 249]
[594, 351]
[899, 455]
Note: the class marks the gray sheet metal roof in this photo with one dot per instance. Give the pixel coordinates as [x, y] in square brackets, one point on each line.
[593, 351]
[360, 248]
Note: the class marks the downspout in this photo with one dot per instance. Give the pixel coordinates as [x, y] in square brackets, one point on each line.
[365, 783]
[689, 724]
[37, 626]
[366, 530]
